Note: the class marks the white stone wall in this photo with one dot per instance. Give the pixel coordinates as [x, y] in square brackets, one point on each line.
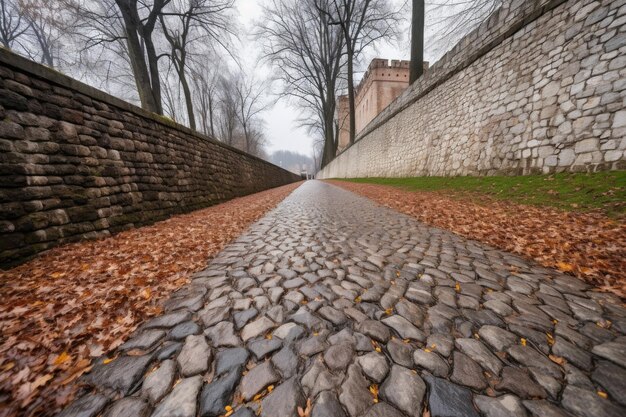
[522, 94]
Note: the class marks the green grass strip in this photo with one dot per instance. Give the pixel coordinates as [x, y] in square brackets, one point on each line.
[604, 191]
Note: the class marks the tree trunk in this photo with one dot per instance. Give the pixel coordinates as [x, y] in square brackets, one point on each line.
[187, 93]
[46, 57]
[140, 71]
[211, 115]
[179, 65]
[137, 60]
[246, 135]
[351, 96]
[154, 72]
[417, 41]
[330, 147]
[202, 112]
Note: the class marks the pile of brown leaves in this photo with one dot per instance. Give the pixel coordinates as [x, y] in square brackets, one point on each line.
[79, 301]
[587, 245]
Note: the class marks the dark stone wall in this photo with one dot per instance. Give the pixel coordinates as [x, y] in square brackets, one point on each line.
[77, 163]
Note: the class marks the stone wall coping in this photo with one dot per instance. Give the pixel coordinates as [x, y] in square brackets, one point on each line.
[526, 11]
[35, 69]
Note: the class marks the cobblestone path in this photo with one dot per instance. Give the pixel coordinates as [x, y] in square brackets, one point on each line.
[370, 313]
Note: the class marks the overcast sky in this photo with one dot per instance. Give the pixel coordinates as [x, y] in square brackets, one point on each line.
[281, 128]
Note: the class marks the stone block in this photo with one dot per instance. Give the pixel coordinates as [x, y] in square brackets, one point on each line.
[551, 161]
[10, 130]
[586, 145]
[619, 119]
[566, 157]
[612, 156]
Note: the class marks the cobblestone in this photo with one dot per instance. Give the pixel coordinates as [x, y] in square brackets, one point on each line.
[374, 298]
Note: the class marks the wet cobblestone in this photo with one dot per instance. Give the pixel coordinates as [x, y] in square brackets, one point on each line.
[366, 311]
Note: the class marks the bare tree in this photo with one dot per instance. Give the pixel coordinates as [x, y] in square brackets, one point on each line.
[178, 37]
[227, 110]
[48, 23]
[190, 21]
[205, 77]
[12, 23]
[453, 19]
[126, 28]
[250, 96]
[362, 23]
[172, 102]
[318, 150]
[30, 27]
[141, 48]
[306, 51]
[99, 38]
[256, 140]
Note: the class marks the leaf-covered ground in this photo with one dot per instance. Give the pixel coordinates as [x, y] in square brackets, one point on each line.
[583, 192]
[79, 301]
[589, 245]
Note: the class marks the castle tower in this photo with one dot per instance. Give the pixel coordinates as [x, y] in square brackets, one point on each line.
[381, 84]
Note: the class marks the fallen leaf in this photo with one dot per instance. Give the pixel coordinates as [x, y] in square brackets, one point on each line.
[557, 359]
[42, 380]
[374, 391]
[564, 266]
[307, 411]
[146, 293]
[62, 358]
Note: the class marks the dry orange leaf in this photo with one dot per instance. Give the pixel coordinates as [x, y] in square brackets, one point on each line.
[374, 391]
[564, 266]
[108, 360]
[62, 358]
[557, 359]
[307, 411]
[146, 293]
